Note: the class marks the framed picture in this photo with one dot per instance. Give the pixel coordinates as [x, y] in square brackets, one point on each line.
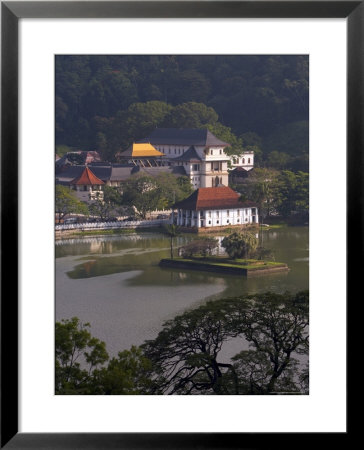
[27, 225]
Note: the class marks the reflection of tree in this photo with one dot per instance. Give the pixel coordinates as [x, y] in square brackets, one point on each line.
[186, 353]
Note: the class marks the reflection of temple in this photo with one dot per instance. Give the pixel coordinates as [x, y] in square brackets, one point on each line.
[95, 246]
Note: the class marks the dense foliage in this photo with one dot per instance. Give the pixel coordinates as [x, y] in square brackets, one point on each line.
[284, 193]
[147, 193]
[67, 203]
[105, 103]
[240, 244]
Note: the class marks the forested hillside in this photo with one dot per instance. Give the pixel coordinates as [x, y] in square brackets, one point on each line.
[105, 103]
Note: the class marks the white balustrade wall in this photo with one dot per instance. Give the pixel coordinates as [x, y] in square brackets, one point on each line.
[110, 225]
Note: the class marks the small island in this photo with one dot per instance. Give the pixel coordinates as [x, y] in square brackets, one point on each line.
[244, 255]
[246, 267]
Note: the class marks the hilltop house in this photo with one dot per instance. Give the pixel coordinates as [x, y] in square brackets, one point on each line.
[244, 160]
[214, 207]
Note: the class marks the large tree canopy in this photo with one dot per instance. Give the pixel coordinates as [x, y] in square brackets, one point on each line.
[273, 328]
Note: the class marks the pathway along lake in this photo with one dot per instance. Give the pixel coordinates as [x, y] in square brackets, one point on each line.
[116, 285]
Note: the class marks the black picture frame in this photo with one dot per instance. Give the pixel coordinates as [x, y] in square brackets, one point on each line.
[11, 12]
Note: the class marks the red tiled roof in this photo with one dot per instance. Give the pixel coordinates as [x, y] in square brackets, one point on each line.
[87, 177]
[213, 198]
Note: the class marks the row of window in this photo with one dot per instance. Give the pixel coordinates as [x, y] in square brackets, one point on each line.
[238, 213]
[236, 161]
[228, 221]
[86, 188]
[214, 152]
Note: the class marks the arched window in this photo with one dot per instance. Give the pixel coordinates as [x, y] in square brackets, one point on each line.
[243, 160]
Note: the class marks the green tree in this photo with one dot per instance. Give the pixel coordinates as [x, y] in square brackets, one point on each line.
[292, 193]
[78, 354]
[127, 374]
[239, 244]
[260, 188]
[109, 206]
[190, 115]
[279, 160]
[186, 355]
[275, 327]
[141, 193]
[172, 189]
[290, 138]
[67, 203]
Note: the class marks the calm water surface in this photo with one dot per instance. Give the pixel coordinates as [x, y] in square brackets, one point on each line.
[115, 283]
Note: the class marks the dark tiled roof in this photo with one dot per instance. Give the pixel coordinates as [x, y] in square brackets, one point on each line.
[183, 136]
[121, 173]
[240, 172]
[79, 157]
[68, 173]
[190, 155]
[115, 172]
[213, 198]
[155, 171]
[102, 172]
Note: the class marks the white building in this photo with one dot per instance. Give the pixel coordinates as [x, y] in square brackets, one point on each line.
[197, 150]
[214, 207]
[244, 160]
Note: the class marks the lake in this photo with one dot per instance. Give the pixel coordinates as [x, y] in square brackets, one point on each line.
[116, 285]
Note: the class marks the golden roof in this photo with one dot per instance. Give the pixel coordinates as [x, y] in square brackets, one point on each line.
[143, 149]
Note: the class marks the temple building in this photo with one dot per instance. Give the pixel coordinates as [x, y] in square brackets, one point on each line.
[141, 154]
[197, 150]
[88, 186]
[214, 207]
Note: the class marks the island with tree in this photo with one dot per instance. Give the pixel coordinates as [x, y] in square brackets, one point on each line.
[244, 255]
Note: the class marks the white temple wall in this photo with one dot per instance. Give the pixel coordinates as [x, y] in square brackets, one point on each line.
[217, 217]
